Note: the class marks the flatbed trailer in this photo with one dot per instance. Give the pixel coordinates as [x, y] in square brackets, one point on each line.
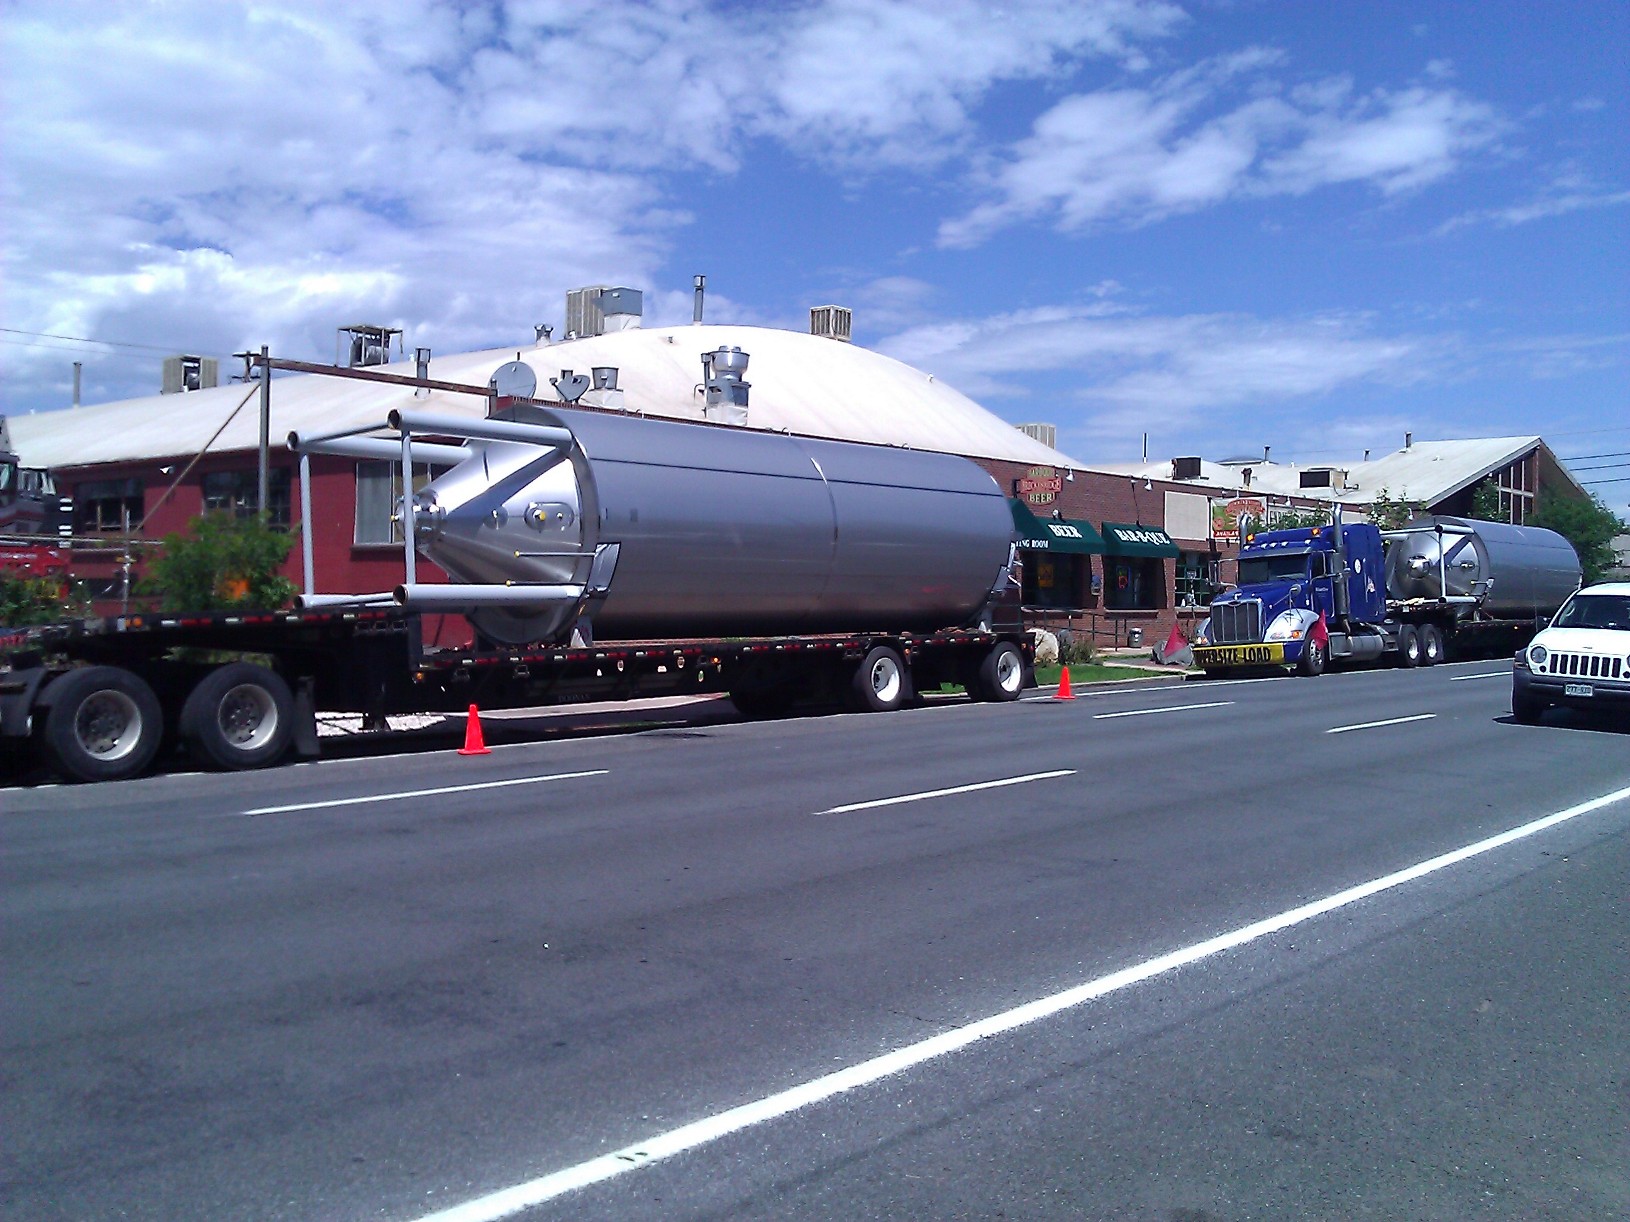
[100, 699]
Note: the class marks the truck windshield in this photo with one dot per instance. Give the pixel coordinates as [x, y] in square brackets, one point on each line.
[1282, 566]
[1595, 611]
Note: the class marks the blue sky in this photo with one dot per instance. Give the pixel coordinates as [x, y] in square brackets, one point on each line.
[1223, 224]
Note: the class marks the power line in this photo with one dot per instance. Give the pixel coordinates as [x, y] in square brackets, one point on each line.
[85, 339]
[1607, 466]
[1623, 479]
[1584, 457]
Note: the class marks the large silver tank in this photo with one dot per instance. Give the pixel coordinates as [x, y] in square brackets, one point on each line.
[718, 531]
[1521, 571]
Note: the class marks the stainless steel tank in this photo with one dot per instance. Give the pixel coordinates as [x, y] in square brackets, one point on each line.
[715, 531]
[1519, 571]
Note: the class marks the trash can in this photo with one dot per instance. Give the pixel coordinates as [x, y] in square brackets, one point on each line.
[1134, 638]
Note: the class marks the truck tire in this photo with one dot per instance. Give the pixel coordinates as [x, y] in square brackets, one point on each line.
[239, 716]
[1314, 659]
[1001, 674]
[1526, 709]
[1431, 637]
[880, 683]
[103, 724]
[1409, 646]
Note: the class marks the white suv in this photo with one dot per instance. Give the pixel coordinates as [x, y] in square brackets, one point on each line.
[1581, 659]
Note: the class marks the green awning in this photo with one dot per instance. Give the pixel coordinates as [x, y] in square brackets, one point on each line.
[1067, 535]
[1123, 540]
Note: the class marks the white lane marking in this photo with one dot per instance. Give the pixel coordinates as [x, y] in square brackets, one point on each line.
[1497, 674]
[1391, 721]
[424, 793]
[509, 1201]
[1176, 708]
[945, 793]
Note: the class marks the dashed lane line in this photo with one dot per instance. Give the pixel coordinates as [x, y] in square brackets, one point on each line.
[945, 793]
[1391, 721]
[424, 793]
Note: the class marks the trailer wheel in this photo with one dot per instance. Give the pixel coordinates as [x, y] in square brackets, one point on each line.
[1431, 644]
[1314, 658]
[1409, 646]
[880, 683]
[1001, 674]
[239, 716]
[103, 724]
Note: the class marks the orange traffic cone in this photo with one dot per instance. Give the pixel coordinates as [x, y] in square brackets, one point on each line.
[1064, 692]
[474, 744]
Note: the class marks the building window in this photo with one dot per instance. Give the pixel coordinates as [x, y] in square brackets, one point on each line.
[1054, 581]
[235, 492]
[1133, 583]
[379, 488]
[107, 505]
[1196, 578]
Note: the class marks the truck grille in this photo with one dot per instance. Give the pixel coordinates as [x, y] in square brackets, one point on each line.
[1585, 666]
[1237, 623]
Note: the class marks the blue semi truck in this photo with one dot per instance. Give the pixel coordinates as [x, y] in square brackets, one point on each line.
[1352, 593]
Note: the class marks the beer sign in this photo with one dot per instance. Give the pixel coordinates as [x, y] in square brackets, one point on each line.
[1039, 485]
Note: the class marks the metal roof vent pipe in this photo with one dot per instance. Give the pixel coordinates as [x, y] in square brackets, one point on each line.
[541, 333]
[696, 310]
[421, 370]
[1265, 451]
[726, 391]
[603, 390]
[1409, 440]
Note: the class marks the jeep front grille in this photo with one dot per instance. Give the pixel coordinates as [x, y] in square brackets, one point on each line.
[1584, 666]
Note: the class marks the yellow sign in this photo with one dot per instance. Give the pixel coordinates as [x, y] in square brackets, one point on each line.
[1239, 655]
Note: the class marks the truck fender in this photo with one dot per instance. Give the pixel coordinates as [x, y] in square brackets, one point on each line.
[1291, 627]
[17, 701]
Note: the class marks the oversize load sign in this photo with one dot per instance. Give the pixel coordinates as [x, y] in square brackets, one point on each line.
[1239, 655]
[1039, 485]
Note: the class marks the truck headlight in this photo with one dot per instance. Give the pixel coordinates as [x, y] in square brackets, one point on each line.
[1537, 655]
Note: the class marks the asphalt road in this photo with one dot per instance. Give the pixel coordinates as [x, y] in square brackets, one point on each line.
[357, 1005]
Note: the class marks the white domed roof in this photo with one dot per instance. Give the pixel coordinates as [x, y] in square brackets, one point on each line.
[800, 384]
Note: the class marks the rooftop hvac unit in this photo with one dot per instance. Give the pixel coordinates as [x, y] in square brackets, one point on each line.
[1185, 468]
[1047, 434]
[184, 373]
[599, 308]
[1317, 477]
[722, 371]
[368, 344]
[831, 321]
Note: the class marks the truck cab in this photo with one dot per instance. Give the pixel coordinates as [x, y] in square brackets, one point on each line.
[1297, 590]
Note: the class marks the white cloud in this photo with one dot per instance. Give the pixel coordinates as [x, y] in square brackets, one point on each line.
[1117, 374]
[1132, 156]
[208, 177]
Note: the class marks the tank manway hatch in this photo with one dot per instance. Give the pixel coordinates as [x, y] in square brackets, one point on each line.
[722, 383]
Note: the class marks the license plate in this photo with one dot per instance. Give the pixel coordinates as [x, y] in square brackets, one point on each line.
[1240, 655]
[1578, 689]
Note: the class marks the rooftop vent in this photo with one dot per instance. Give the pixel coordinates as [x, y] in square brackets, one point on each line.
[603, 390]
[1185, 468]
[722, 383]
[832, 322]
[1047, 434]
[369, 344]
[184, 373]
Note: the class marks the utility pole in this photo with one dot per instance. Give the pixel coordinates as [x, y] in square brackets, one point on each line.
[262, 491]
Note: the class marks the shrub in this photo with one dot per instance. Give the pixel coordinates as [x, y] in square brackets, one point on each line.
[223, 564]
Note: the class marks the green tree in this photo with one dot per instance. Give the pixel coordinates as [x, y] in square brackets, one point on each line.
[1587, 524]
[1486, 502]
[223, 563]
[1390, 513]
[28, 600]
